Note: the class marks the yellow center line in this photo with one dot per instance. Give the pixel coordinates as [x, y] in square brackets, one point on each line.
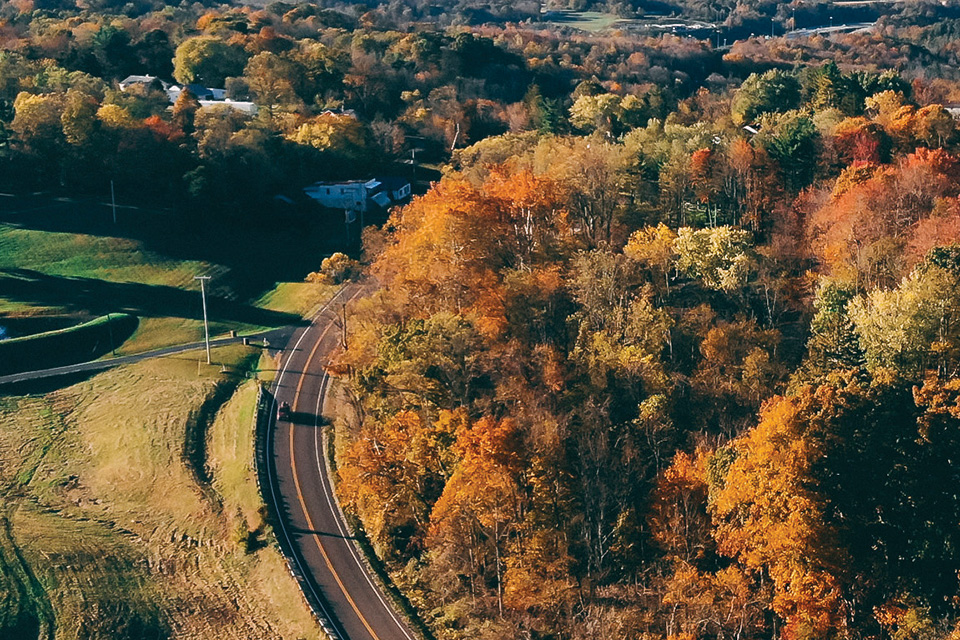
[296, 482]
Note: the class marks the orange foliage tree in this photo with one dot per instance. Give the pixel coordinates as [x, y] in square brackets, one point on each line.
[823, 496]
[859, 235]
[482, 508]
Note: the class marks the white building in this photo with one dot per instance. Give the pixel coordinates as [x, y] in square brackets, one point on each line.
[248, 108]
[131, 81]
[201, 92]
[359, 195]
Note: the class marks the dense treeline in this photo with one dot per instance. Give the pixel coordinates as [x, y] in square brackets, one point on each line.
[343, 93]
[737, 16]
[674, 380]
[338, 95]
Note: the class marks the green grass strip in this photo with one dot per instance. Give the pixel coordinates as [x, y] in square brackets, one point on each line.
[62, 347]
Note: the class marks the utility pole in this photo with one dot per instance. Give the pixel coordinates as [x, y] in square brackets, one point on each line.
[206, 327]
[113, 201]
[113, 346]
[413, 164]
[343, 341]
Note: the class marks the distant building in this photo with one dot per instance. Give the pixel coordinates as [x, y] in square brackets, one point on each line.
[360, 196]
[246, 107]
[398, 188]
[131, 81]
[339, 112]
[208, 97]
[201, 92]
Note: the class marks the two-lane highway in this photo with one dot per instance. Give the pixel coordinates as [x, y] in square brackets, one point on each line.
[310, 521]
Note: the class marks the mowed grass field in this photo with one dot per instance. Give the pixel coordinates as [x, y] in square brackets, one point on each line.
[68, 259]
[115, 524]
[589, 21]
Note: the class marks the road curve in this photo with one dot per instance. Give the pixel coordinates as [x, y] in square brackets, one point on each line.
[309, 519]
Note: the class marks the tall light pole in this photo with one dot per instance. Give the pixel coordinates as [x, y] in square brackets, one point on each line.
[206, 327]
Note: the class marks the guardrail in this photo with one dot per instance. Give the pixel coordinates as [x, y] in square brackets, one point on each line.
[262, 420]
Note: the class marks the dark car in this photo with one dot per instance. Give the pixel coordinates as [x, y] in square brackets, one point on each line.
[283, 411]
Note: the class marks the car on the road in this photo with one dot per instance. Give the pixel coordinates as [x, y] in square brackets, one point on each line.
[283, 411]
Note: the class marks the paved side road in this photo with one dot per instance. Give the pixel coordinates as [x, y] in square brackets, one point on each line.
[299, 487]
[274, 338]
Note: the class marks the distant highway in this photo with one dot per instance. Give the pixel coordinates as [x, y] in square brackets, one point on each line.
[840, 28]
[310, 520]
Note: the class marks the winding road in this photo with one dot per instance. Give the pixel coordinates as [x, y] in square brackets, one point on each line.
[325, 557]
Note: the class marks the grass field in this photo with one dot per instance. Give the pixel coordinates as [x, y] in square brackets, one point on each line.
[590, 21]
[68, 259]
[112, 526]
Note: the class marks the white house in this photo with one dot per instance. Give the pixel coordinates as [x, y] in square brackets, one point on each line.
[359, 195]
[201, 92]
[352, 194]
[131, 81]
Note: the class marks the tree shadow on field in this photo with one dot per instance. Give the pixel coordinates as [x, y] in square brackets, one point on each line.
[99, 297]
[268, 243]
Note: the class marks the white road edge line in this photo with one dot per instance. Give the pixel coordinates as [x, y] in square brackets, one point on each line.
[270, 479]
[338, 512]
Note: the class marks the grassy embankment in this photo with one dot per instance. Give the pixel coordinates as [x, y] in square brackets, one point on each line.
[59, 347]
[114, 525]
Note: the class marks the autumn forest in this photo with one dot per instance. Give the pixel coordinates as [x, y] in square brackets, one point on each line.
[666, 346]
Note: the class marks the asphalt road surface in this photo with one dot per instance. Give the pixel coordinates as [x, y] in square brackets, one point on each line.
[310, 520]
[273, 337]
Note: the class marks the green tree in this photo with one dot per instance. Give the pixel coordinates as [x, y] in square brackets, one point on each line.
[271, 79]
[826, 87]
[341, 136]
[791, 139]
[833, 343]
[79, 117]
[207, 60]
[772, 91]
[599, 113]
[913, 327]
[721, 257]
